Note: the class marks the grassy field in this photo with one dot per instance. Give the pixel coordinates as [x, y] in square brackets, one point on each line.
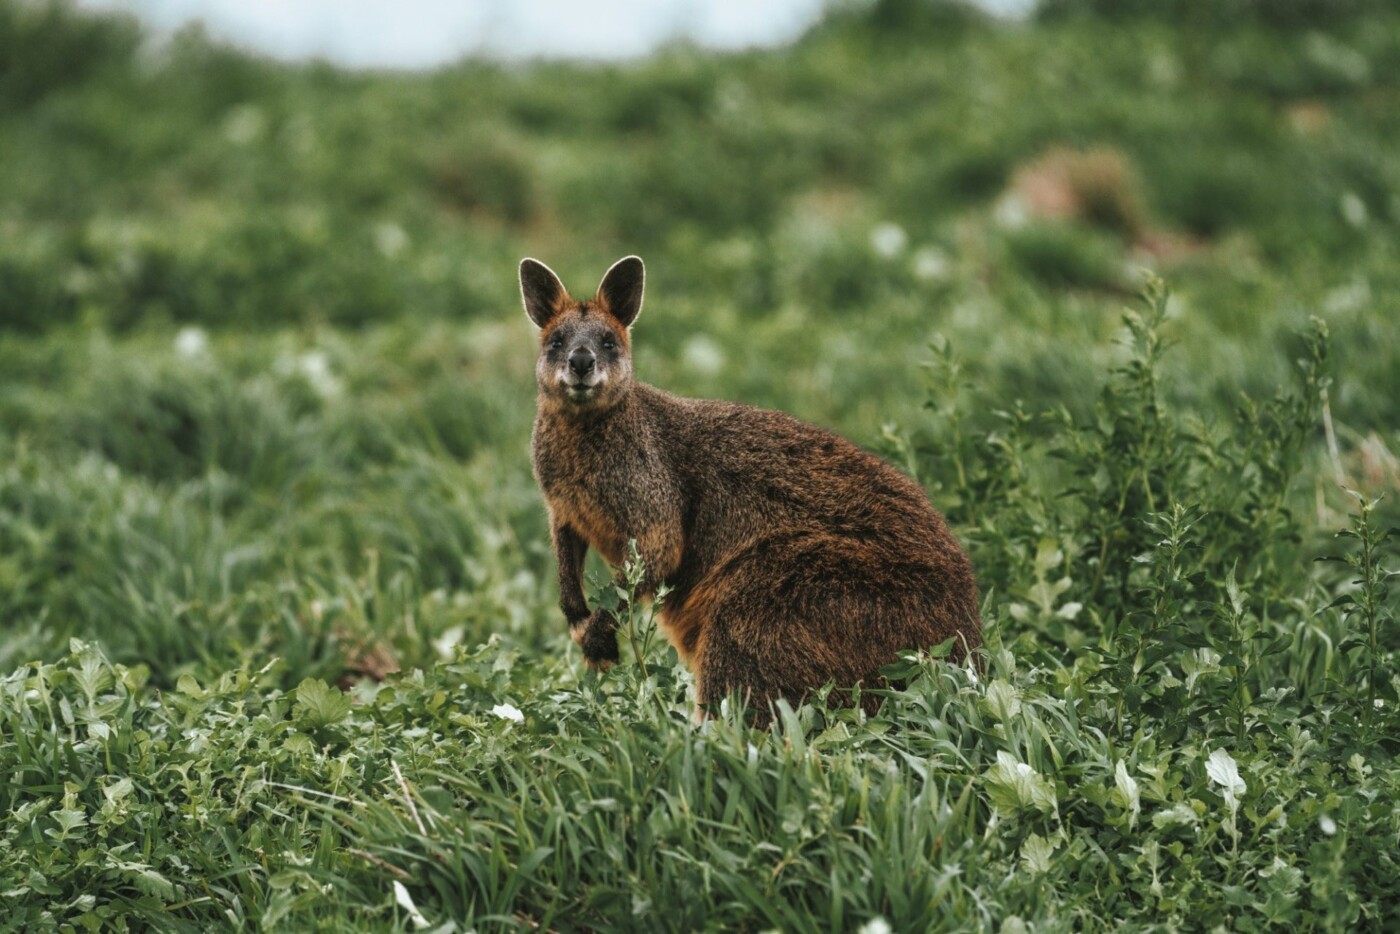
[278, 638]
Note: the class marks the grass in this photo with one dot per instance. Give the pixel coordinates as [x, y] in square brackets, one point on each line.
[265, 400]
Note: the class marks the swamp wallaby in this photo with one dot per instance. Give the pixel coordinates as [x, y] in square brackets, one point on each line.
[793, 557]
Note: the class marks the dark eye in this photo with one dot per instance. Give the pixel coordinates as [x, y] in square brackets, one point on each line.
[609, 343]
[556, 343]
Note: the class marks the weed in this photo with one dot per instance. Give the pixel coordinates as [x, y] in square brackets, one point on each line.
[265, 401]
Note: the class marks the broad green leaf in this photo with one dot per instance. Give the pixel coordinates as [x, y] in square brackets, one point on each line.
[319, 704]
[118, 790]
[1036, 853]
[1180, 814]
[92, 674]
[69, 819]
[405, 901]
[186, 684]
[1002, 700]
[1013, 786]
[1223, 771]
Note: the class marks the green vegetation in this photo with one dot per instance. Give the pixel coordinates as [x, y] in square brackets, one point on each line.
[265, 398]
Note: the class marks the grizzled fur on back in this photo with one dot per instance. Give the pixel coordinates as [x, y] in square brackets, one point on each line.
[794, 558]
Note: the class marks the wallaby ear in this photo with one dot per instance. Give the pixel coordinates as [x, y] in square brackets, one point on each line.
[621, 289]
[541, 291]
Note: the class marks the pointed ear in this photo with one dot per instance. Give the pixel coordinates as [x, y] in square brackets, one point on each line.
[541, 291]
[621, 289]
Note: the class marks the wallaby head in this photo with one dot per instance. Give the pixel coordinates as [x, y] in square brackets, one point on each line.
[585, 361]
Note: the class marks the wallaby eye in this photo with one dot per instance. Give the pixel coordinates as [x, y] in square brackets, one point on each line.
[556, 343]
[609, 343]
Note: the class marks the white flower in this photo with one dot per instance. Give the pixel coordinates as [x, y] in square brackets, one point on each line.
[191, 342]
[703, 356]
[1011, 212]
[1348, 298]
[508, 712]
[390, 239]
[449, 640]
[1353, 209]
[1327, 825]
[888, 240]
[931, 264]
[876, 925]
[244, 124]
[315, 368]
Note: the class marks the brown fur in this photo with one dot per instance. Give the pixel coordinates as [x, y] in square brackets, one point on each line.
[794, 558]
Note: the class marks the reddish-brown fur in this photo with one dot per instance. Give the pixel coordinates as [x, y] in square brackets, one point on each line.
[794, 558]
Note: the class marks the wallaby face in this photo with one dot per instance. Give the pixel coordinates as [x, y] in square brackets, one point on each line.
[585, 360]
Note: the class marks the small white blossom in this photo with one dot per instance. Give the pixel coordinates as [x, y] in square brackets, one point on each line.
[390, 239]
[703, 356]
[446, 643]
[1348, 298]
[876, 925]
[244, 124]
[931, 264]
[1327, 825]
[888, 240]
[191, 342]
[315, 368]
[508, 712]
[1069, 610]
[1354, 209]
[1011, 212]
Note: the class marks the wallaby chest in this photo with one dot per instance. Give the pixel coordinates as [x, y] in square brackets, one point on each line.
[596, 478]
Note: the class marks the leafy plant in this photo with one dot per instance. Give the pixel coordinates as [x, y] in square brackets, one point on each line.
[1366, 611]
[278, 646]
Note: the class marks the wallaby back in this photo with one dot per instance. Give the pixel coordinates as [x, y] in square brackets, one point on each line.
[794, 558]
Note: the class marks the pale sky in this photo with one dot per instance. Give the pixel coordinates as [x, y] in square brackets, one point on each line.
[424, 33]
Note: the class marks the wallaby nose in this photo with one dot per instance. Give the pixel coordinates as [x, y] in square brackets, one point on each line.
[581, 362]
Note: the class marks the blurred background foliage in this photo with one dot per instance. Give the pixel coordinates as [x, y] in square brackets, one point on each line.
[265, 403]
[259, 328]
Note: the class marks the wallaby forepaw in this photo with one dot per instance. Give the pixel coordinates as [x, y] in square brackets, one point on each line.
[598, 639]
[600, 650]
[601, 653]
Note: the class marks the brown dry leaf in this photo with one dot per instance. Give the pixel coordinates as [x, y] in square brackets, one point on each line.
[1097, 186]
[365, 657]
[1309, 118]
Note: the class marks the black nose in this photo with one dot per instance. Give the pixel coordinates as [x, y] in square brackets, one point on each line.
[581, 362]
